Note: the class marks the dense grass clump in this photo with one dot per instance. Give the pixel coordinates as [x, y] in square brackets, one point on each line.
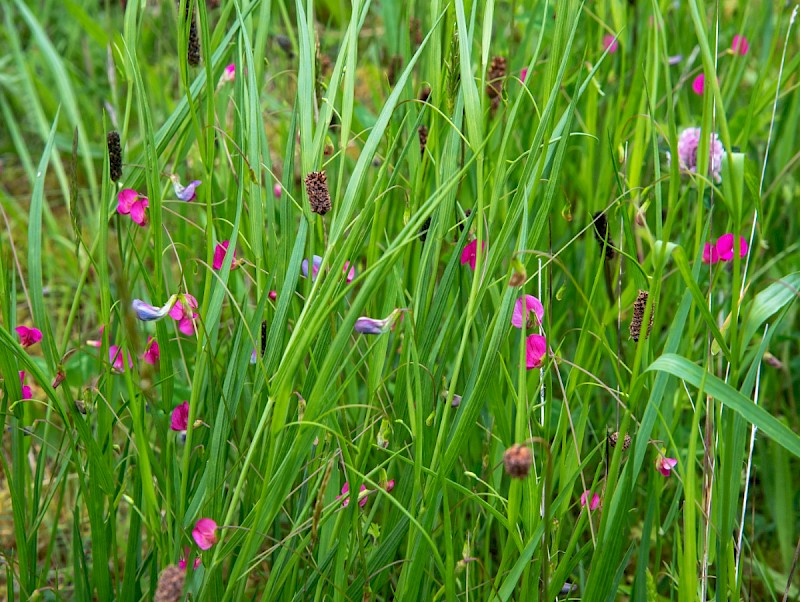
[479, 300]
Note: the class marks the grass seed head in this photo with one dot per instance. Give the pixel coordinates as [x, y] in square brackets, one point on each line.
[317, 189]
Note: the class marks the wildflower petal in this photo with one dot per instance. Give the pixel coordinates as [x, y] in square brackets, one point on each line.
[28, 336]
[535, 350]
[148, 313]
[740, 44]
[179, 421]
[699, 84]
[184, 193]
[219, 256]
[151, 353]
[205, 533]
[610, 43]
[523, 307]
[725, 244]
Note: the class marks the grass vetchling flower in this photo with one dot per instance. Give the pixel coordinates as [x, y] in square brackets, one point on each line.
[205, 533]
[118, 358]
[740, 44]
[28, 336]
[470, 253]
[592, 499]
[527, 310]
[179, 421]
[182, 312]
[151, 352]
[150, 313]
[184, 193]
[366, 325]
[610, 43]
[228, 74]
[362, 499]
[535, 350]
[723, 249]
[665, 465]
[130, 202]
[26, 390]
[699, 84]
[219, 256]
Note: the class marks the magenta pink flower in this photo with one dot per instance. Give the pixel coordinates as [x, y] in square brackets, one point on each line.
[362, 501]
[28, 336]
[699, 84]
[130, 202]
[535, 350]
[350, 270]
[117, 357]
[610, 43]
[205, 533]
[665, 465]
[180, 417]
[273, 295]
[740, 44]
[523, 75]
[182, 564]
[182, 312]
[725, 245]
[527, 310]
[151, 352]
[229, 74]
[470, 253]
[219, 256]
[26, 390]
[389, 485]
[277, 190]
[587, 497]
[722, 250]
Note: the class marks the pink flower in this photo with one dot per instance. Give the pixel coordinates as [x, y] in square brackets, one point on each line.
[665, 465]
[182, 313]
[523, 75]
[699, 84]
[350, 270]
[316, 261]
[346, 489]
[470, 253]
[725, 247]
[26, 390]
[117, 358]
[591, 498]
[219, 256]
[688, 144]
[276, 190]
[151, 352]
[28, 336]
[182, 562]
[610, 43]
[229, 74]
[205, 533]
[273, 295]
[535, 350]
[180, 417]
[97, 343]
[523, 308]
[130, 202]
[710, 254]
[389, 485]
[740, 44]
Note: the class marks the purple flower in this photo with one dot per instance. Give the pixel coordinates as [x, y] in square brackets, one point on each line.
[366, 325]
[688, 144]
[316, 261]
[149, 313]
[185, 193]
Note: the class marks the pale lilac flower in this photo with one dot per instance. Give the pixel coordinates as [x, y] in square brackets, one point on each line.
[366, 325]
[205, 533]
[179, 421]
[699, 84]
[674, 59]
[362, 499]
[610, 43]
[184, 193]
[150, 313]
[592, 499]
[740, 44]
[219, 256]
[117, 357]
[130, 202]
[527, 310]
[665, 465]
[28, 336]
[316, 261]
[151, 353]
[688, 144]
[535, 350]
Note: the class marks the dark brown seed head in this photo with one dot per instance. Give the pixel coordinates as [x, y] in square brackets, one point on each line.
[415, 30]
[425, 93]
[518, 460]
[193, 51]
[494, 78]
[614, 437]
[114, 156]
[602, 236]
[423, 231]
[395, 66]
[170, 584]
[638, 316]
[317, 190]
[423, 138]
